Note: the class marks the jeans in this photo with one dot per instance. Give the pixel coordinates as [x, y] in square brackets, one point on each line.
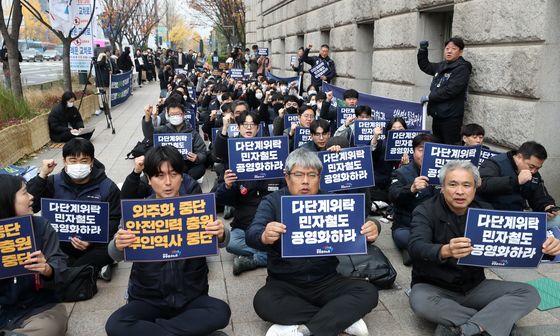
[238, 246]
[400, 237]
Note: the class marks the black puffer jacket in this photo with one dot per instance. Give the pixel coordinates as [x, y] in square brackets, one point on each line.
[60, 118]
[448, 90]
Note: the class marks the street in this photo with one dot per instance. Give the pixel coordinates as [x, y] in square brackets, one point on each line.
[34, 73]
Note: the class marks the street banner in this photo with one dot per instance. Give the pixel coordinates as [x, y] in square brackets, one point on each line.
[386, 108]
[320, 225]
[181, 141]
[302, 136]
[258, 158]
[120, 87]
[364, 131]
[400, 142]
[505, 238]
[170, 228]
[17, 242]
[81, 49]
[437, 155]
[342, 113]
[85, 220]
[351, 168]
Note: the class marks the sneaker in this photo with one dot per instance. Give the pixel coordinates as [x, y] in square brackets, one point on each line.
[98, 112]
[358, 328]
[442, 330]
[106, 272]
[406, 260]
[243, 264]
[283, 330]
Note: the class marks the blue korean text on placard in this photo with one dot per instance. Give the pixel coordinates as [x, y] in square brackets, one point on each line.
[351, 168]
[17, 242]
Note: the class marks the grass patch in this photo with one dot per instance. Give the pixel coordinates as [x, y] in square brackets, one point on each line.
[13, 110]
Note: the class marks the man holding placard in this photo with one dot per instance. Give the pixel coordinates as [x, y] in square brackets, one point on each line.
[169, 297]
[82, 179]
[459, 298]
[306, 295]
[323, 68]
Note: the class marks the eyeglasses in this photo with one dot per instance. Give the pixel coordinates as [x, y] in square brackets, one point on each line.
[299, 175]
[249, 125]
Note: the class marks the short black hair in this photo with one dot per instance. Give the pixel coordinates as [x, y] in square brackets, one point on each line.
[157, 155]
[226, 107]
[361, 109]
[532, 148]
[324, 124]
[277, 96]
[77, 146]
[321, 96]
[472, 129]
[325, 46]
[221, 88]
[458, 41]
[291, 98]
[420, 139]
[304, 108]
[350, 93]
[10, 186]
[341, 141]
[243, 116]
[66, 96]
[226, 96]
[174, 104]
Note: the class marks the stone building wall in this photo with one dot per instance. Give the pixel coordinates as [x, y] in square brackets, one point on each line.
[514, 46]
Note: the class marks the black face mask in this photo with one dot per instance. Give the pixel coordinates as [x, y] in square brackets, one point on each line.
[277, 106]
[291, 110]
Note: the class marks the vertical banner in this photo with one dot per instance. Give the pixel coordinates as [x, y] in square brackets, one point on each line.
[88, 221]
[364, 131]
[181, 141]
[320, 225]
[302, 136]
[17, 242]
[120, 87]
[437, 155]
[258, 158]
[81, 49]
[170, 228]
[505, 238]
[351, 168]
[342, 113]
[400, 142]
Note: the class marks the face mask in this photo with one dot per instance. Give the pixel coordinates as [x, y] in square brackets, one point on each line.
[277, 106]
[258, 95]
[219, 98]
[176, 120]
[291, 110]
[283, 88]
[69, 104]
[312, 103]
[264, 87]
[311, 92]
[78, 171]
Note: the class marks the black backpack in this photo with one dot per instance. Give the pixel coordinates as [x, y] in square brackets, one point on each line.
[139, 149]
[373, 267]
[80, 283]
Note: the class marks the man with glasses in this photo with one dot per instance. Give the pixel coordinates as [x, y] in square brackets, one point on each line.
[306, 115]
[510, 180]
[320, 135]
[306, 296]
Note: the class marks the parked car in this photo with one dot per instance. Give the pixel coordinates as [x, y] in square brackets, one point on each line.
[32, 55]
[52, 55]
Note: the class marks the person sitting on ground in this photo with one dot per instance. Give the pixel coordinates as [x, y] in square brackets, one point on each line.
[29, 305]
[167, 297]
[459, 298]
[82, 179]
[196, 160]
[320, 135]
[306, 115]
[511, 180]
[407, 190]
[361, 112]
[329, 112]
[472, 135]
[306, 296]
[65, 121]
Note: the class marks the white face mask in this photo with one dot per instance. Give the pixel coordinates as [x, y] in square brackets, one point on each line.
[78, 171]
[219, 98]
[258, 95]
[176, 120]
[69, 104]
[311, 92]
[264, 87]
[312, 103]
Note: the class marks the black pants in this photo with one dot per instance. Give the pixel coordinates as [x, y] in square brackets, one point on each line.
[195, 171]
[448, 131]
[326, 308]
[96, 256]
[140, 76]
[202, 316]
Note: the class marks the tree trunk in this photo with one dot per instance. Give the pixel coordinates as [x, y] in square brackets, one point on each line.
[66, 74]
[15, 70]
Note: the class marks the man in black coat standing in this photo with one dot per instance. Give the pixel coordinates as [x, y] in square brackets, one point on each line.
[124, 61]
[448, 91]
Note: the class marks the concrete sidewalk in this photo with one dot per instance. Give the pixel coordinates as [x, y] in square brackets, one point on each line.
[392, 316]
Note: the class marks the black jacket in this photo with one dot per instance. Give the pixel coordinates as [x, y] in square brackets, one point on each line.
[59, 119]
[19, 298]
[296, 271]
[404, 201]
[383, 169]
[448, 90]
[124, 62]
[314, 60]
[434, 225]
[500, 186]
[103, 70]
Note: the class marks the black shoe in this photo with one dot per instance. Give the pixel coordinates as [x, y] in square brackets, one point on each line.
[442, 330]
[243, 264]
[106, 272]
[228, 212]
[406, 260]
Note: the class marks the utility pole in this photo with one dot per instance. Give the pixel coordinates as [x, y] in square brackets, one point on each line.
[157, 25]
